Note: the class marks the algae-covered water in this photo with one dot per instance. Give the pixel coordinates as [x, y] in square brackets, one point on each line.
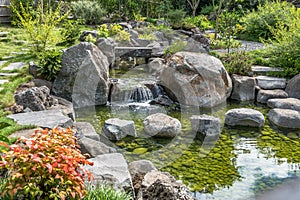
[243, 163]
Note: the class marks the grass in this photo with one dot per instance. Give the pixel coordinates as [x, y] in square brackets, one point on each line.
[102, 192]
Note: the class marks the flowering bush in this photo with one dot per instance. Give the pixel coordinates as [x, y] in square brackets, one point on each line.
[47, 166]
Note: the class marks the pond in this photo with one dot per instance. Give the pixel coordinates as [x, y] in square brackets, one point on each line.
[242, 163]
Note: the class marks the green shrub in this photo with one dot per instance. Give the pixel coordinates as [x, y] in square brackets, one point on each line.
[89, 11]
[101, 192]
[175, 18]
[70, 31]
[237, 62]
[114, 30]
[50, 64]
[46, 166]
[175, 47]
[199, 21]
[103, 31]
[40, 26]
[258, 24]
[285, 49]
[147, 36]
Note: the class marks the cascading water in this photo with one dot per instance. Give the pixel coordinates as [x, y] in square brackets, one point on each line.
[140, 94]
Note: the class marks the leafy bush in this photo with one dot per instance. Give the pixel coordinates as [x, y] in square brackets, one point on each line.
[268, 16]
[175, 17]
[46, 166]
[70, 31]
[175, 47]
[285, 49]
[40, 26]
[199, 21]
[50, 64]
[102, 192]
[89, 11]
[237, 62]
[115, 31]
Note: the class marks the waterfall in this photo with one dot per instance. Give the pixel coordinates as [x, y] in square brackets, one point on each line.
[140, 94]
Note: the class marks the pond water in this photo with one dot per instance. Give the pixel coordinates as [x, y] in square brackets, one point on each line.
[242, 163]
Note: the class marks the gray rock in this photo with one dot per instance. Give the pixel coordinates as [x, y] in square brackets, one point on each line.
[111, 169]
[3, 81]
[65, 106]
[293, 87]
[244, 117]
[43, 119]
[196, 79]
[194, 46]
[107, 46]
[156, 65]
[206, 124]
[116, 129]
[243, 88]
[256, 69]
[35, 98]
[14, 66]
[86, 129]
[288, 103]
[93, 147]
[264, 95]
[270, 83]
[138, 169]
[285, 118]
[161, 125]
[162, 186]
[83, 78]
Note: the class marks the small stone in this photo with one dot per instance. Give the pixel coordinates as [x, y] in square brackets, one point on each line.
[116, 129]
[244, 117]
[264, 95]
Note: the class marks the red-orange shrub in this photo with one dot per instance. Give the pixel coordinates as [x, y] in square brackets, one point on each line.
[46, 166]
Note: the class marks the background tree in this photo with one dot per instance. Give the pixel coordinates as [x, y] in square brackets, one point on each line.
[194, 5]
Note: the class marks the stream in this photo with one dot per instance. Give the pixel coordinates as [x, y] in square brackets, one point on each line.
[243, 163]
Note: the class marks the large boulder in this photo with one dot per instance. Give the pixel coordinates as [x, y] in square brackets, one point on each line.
[162, 186]
[285, 118]
[83, 78]
[270, 83]
[111, 169]
[117, 129]
[293, 87]
[196, 79]
[35, 98]
[244, 117]
[156, 65]
[205, 124]
[264, 95]
[243, 88]
[161, 125]
[107, 46]
[288, 103]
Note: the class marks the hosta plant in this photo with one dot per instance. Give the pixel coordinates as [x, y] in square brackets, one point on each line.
[46, 166]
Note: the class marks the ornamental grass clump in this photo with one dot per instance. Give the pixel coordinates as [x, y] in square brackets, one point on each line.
[48, 165]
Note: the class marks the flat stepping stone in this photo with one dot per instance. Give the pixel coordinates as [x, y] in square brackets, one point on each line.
[285, 118]
[4, 34]
[206, 124]
[2, 62]
[257, 69]
[13, 66]
[3, 81]
[244, 117]
[1, 88]
[9, 74]
[270, 83]
[288, 103]
[116, 129]
[264, 95]
[23, 133]
[43, 119]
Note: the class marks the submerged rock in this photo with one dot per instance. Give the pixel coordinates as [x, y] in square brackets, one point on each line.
[206, 124]
[264, 95]
[288, 103]
[161, 125]
[243, 88]
[244, 117]
[285, 118]
[293, 87]
[116, 129]
[196, 79]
